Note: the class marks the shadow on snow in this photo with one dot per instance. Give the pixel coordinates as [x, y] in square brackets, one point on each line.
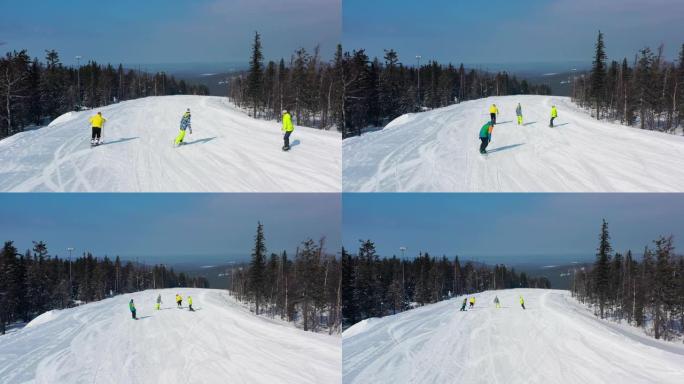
[505, 148]
[200, 141]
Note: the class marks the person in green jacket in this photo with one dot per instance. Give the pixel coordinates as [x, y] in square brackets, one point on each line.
[190, 304]
[465, 302]
[131, 306]
[554, 115]
[287, 129]
[522, 302]
[518, 112]
[486, 136]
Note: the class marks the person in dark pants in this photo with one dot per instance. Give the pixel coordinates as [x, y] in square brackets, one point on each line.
[288, 127]
[190, 304]
[554, 115]
[522, 302]
[493, 112]
[131, 306]
[463, 306]
[96, 123]
[486, 136]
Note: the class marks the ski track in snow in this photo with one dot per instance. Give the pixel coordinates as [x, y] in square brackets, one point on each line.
[220, 342]
[555, 340]
[227, 152]
[437, 151]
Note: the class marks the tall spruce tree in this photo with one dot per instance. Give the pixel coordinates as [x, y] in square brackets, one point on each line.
[664, 287]
[602, 268]
[679, 88]
[598, 75]
[11, 285]
[257, 270]
[367, 290]
[256, 74]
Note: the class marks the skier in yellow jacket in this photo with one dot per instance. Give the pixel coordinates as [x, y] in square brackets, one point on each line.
[97, 123]
[287, 129]
[522, 302]
[190, 304]
[493, 113]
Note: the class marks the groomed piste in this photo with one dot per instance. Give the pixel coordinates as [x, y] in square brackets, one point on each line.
[227, 152]
[554, 340]
[438, 151]
[221, 342]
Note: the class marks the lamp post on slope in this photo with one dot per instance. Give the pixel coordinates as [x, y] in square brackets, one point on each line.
[78, 81]
[71, 289]
[418, 57]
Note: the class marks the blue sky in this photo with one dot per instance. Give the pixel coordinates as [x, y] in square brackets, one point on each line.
[504, 31]
[505, 227]
[159, 226]
[168, 31]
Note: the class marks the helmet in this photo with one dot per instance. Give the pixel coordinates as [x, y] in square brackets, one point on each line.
[284, 110]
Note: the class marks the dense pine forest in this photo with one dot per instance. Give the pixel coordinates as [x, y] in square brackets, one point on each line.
[647, 293]
[646, 91]
[353, 91]
[375, 287]
[35, 282]
[33, 92]
[305, 289]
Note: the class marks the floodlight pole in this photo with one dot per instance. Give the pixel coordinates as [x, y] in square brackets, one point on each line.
[70, 249]
[418, 57]
[78, 83]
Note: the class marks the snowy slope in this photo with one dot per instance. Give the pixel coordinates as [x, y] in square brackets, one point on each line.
[555, 340]
[227, 152]
[438, 151]
[219, 343]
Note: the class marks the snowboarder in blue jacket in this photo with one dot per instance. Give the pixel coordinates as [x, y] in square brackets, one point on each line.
[185, 124]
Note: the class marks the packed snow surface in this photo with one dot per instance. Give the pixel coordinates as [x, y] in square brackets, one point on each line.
[221, 342]
[227, 152]
[43, 318]
[438, 151]
[555, 340]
